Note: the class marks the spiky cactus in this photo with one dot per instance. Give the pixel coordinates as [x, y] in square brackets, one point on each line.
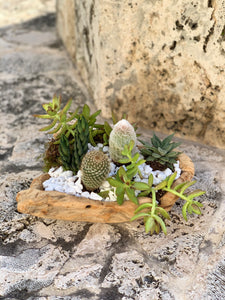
[122, 134]
[95, 169]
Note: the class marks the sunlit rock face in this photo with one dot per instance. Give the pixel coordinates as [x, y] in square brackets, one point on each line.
[162, 62]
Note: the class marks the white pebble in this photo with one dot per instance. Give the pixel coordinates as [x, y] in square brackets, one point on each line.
[67, 174]
[105, 185]
[95, 196]
[105, 149]
[147, 170]
[168, 172]
[85, 194]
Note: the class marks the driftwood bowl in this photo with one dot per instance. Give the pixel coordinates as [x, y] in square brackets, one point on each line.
[56, 205]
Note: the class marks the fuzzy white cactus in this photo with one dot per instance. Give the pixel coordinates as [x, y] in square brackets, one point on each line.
[123, 132]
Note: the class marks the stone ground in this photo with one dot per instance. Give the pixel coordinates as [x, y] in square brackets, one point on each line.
[44, 259]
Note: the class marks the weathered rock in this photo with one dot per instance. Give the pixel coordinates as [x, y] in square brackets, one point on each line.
[43, 259]
[161, 63]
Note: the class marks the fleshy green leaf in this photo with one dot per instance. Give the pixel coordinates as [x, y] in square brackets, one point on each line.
[141, 186]
[140, 215]
[161, 223]
[114, 182]
[86, 111]
[196, 209]
[163, 212]
[49, 126]
[150, 180]
[67, 106]
[120, 195]
[131, 195]
[184, 210]
[171, 179]
[195, 193]
[187, 185]
[161, 185]
[108, 128]
[143, 206]
[149, 224]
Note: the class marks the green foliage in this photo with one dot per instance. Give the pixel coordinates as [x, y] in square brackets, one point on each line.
[71, 155]
[125, 186]
[65, 152]
[190, 206]
[95, 168]
[123, 179]
[133, 161]
[151, 218]
[91, 120]
[61, 123]
[100, 134]
[81, 139]
[161, 151]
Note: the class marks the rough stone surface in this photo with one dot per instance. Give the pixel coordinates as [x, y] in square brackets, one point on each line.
[162, 62]
[43, 259]
[17, 11]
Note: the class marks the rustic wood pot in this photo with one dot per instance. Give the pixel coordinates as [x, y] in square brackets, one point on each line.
[61, 206]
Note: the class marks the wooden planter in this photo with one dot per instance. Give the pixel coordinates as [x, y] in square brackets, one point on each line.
[56, 205]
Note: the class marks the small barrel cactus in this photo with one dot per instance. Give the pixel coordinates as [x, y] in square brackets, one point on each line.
[95, 169]
[121, 135]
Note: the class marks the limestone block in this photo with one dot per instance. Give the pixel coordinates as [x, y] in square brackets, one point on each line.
[162, 62]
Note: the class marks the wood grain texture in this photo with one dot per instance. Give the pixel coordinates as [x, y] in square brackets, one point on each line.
[56, 205]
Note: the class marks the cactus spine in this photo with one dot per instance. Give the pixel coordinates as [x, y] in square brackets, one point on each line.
[121, 135]
[95, 169]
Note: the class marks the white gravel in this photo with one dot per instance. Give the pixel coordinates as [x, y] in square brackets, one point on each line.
[67, 182]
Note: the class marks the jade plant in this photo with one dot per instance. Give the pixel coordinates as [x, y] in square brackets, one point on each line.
[69, 148]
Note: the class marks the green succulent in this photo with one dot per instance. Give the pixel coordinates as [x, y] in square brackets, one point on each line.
[94, 168]
[123, 132]
[81, 139]
[61, 123]
[161, 151]
[65, 152]
[153, 222]
[71, 154]
[123, 181]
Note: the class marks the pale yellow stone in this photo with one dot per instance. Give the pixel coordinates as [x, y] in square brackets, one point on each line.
[162, 62]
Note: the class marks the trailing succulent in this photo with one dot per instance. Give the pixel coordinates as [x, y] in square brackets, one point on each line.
[69, 148]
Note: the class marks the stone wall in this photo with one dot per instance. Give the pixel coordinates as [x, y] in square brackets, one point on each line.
[162, 62]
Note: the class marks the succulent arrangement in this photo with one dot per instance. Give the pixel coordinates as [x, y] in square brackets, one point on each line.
[73, 132]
